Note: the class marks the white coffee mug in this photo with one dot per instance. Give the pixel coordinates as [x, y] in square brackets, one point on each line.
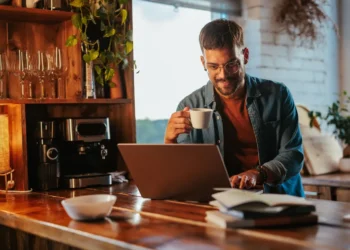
[200, 117]
[31, 3]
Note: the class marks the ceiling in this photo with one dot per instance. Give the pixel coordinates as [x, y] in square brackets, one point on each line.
[230, 7]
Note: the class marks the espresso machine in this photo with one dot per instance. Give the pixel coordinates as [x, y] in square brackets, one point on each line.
[46, 157]
[87, 152]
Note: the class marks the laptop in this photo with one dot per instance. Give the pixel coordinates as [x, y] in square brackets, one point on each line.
[175, 171]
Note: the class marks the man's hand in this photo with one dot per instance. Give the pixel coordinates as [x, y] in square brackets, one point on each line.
[179, 123]
[245, 180]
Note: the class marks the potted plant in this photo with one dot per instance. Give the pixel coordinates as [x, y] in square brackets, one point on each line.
[110, 43]
[338, 116]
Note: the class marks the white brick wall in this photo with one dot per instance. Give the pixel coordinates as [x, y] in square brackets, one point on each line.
[310, 74]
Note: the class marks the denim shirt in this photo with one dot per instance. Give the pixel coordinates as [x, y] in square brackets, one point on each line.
[274, 119]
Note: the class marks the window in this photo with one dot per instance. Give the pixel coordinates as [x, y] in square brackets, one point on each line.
[167, 55]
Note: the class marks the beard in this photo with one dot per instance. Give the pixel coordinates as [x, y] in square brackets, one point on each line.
[229, 85]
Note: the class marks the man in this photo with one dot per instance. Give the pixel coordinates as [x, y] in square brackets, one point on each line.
[255, 122]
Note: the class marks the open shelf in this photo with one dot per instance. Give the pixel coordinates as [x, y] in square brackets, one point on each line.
[65, 101]
[32, 15]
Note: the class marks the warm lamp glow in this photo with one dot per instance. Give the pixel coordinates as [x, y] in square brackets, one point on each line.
[4, 145]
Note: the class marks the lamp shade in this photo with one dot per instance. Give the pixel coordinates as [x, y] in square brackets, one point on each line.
[4, 144]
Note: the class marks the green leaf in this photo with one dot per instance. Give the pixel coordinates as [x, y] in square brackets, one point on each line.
[77, 3]
[109, 56]
[93, 54]
[101, 12]
[84, 20]
[87, 58]
[92, 18]
[76, 20]
[112, 84]
[103, 57]
[123, 1]
[119, 56]
[128, 47]
[99, 80]
[98, 70]
[71, 41]
[109, 32]
[124, 14]
[109, 73]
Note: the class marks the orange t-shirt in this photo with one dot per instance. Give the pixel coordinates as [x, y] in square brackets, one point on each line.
[240, 147]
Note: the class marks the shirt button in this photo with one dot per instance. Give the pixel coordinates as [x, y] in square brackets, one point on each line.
[218, 117]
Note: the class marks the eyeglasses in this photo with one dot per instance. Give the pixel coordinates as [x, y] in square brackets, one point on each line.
[230, 68]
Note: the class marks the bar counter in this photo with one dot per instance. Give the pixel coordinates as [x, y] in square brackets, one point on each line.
[37, 220]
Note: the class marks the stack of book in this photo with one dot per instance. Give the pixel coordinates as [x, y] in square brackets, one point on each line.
[244, 209]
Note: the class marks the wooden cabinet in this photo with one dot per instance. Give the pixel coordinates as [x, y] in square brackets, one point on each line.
[35, 29]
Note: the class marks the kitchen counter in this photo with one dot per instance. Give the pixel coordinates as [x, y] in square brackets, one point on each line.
[140, 223]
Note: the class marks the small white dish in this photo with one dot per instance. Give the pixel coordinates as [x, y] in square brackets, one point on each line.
[89, 207]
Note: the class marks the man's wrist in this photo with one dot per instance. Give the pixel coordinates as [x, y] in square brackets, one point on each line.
[262, 175]
[170, 141]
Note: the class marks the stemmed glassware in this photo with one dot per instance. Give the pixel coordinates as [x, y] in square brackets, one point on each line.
[21, 66]
[49, 65]
[57, 70]
[3, 71]
[41, 70]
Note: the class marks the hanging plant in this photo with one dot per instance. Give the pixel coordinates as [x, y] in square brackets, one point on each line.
[303, 19]
[111, 17]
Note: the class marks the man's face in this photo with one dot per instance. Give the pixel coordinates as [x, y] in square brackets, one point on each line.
[226, 68]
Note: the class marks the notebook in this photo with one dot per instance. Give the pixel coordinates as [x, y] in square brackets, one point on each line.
[227, 221]
[175, 171]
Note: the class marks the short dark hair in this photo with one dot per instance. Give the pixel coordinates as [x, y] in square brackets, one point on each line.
[221, 33]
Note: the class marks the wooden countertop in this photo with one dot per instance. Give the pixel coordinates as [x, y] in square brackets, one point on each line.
[333, 180]
[142, 223]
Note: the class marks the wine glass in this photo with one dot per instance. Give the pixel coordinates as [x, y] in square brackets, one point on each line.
[21, 66]
[57, 70]
[3, 71]
[41, 69]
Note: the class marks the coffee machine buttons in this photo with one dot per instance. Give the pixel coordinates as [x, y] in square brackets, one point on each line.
[52, 154]
[104, 151]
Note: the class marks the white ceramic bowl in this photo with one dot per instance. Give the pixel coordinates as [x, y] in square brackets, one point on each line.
[89, 207]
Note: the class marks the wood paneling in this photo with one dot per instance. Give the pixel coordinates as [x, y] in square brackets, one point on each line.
[67, 101]
[72, 58]
[3, 36]
[32, 15]
[31, 37]
[18, 145]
